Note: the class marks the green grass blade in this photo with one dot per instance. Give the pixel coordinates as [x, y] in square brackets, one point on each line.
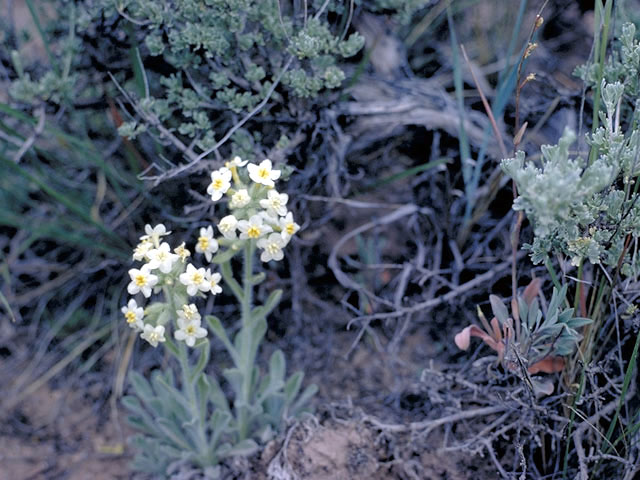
[407, 173]
[625, 389]
[139, 74]
[601, 39]
[515, 33]
[465, 150]
[7, 307]
[61, 198]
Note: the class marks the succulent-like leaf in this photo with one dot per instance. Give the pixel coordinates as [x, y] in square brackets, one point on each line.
[216, 395]
[277, 367]
[547, 365]
[531, 291]
[203, 359]
[292, 387]
[140, 385]
[301, 404]
[499, 309]
[219, 331]
[234, 376]
[224, 256]
[259, 330]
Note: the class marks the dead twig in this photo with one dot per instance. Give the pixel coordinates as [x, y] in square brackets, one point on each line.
[428, 425]
[434, 302]
[40, 112]
[342, 277]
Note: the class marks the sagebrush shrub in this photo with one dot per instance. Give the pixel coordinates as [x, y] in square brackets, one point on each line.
[586, 206]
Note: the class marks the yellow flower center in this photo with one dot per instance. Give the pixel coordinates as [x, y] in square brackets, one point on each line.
[203, 242]
[263, 173]
[272, 248]
[197, 278]
[190, 330]
[217, 184]
[182, 252]
[141, 280]
[130, 316]
[253, 232]
[290, 228]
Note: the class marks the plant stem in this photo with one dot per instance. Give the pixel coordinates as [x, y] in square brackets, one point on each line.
[246, 343]
[246, 284]
[189, 390]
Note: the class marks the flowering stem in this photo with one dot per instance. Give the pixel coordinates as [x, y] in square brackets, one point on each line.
[249, 248]
[188, 386]
[246, 344]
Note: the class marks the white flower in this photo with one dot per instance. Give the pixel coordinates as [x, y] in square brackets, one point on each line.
[206, 243]
[133, 314]
[272, 247]
[227, 227]
[237, 162]
[162, 258]
[268, 218]
[182, 252]
[275, 203]
[253, 228]
[194, 279]
[288, 226]
[153, 234]
[263, 173]
[189, 331]
[189, 313]
[153, 335]
[214, 282]
[141, 250]
[240, 199]
[141, 281]
[220, 183]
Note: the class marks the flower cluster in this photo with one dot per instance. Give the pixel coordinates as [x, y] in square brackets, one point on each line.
[167, 270]
[258, 217]
[258, 211]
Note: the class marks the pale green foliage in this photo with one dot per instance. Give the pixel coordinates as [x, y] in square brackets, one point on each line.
[622, 65]
[164, 416]
[530, 339]
[228, 53]
[50, 86]
[198, 65]
[587, 210]
[553, 333]
[558, 196]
